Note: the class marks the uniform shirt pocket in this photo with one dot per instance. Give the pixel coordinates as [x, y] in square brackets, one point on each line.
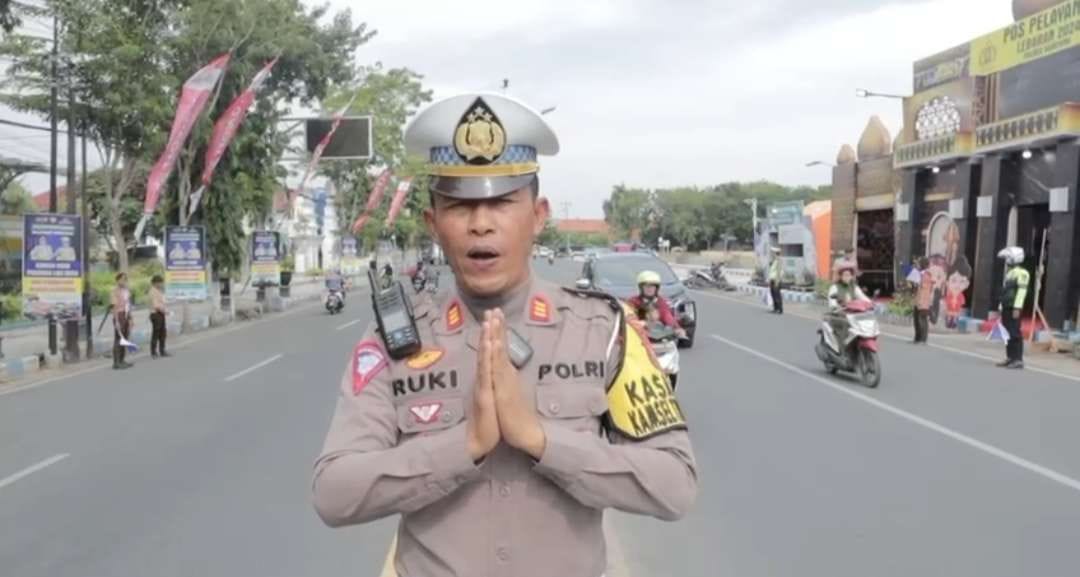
[577, 406]
[421, 416]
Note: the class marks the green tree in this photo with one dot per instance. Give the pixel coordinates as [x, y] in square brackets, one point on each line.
[313, 57]
[628, 210]
[390, 97]
[16, 200]
[550, 236]
[118, 81]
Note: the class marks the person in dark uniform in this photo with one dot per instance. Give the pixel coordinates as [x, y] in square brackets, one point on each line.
[157, 317]
[1013, 295]
[775, 276]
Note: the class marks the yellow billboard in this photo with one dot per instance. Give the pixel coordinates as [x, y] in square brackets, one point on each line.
[1041, 34]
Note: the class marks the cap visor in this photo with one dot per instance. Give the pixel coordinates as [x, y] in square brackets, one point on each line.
[479, 188]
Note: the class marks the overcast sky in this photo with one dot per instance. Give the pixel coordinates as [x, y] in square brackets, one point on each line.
[661, 93]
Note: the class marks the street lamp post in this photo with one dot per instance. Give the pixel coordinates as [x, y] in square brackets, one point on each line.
[864, 93]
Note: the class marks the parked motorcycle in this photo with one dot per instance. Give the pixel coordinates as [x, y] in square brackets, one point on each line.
[335, 302]
[712, 279]
[665, 344]
[858, 353]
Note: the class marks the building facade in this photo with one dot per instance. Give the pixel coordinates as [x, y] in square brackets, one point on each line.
[991, 159]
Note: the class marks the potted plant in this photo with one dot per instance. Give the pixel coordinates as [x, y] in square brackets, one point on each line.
[288, 264]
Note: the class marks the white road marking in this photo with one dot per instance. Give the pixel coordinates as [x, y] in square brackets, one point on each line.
[348, 324]
[1027, 366]
[937, 428]
[252, 368]
[32, 469]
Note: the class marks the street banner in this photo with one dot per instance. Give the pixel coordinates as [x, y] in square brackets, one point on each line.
[193, 99]
[1044, 33]
[373, 200]
[225, 129]
[185, 263]
[398, 202]
[265, 258]
[52, 266]
[317, 154]
[11, 254]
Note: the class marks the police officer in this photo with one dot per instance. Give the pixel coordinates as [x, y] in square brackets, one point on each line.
[1013, 295]
[529, 410]
[775, 276]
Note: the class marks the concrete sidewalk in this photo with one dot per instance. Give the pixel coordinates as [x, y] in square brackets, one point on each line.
[26, 349]
[1036, 355]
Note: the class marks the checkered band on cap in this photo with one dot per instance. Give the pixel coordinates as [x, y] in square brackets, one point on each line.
[514, 154]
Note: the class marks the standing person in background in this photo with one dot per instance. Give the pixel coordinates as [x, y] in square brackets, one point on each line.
[775, 274]
[122, 321]
[924, 297]
[157, 317]
[1013, 295]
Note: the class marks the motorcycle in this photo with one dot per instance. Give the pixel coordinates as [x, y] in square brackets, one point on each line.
[335, 302]
[419, 281]
[859, 351]
[665, 345]
[712, 279]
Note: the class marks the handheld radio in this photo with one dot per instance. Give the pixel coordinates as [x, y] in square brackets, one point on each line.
[393, 313]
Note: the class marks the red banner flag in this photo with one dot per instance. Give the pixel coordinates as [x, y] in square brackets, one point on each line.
[317, 154]
[194, 96]
[398, 202]
[225, 129]
[374, 200]
[226, 126]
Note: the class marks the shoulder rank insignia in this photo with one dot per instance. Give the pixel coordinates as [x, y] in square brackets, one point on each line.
[540, 309]
[454, 319]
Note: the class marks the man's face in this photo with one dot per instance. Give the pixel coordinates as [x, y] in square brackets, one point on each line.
[42, 242]
[488, 242]
[649, 290]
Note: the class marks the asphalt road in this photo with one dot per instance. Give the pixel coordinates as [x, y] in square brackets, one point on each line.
[200, 464]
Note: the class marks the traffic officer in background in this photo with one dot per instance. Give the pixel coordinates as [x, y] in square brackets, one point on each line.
[1013, 295]
[529, 410]
[775, 276]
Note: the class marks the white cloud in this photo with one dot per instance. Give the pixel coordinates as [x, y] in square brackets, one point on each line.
[669, 92]
[659, 93]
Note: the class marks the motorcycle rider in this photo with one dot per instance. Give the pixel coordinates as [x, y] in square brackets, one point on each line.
[387, 275]
[843, 291]
[650, 305]
[335, 283]
[419, 276]
[1013, 295]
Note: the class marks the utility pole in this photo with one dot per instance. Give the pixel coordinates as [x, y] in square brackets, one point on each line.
[71, 327]
[86, 255]
[565, 205]
[52, 153]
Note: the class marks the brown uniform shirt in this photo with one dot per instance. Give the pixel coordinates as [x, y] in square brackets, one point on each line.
[157, 300]
[397, 445]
